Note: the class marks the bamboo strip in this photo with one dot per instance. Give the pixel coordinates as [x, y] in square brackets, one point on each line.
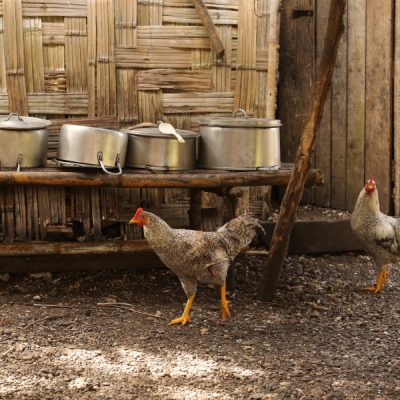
[178, 15]
[171, 32]
[197, 102]
[246, 79]
[55, 81]
[150, 108]
[221, 4]
[201, 59]
[106, 68]
[126, 22]
[222, 72]
[2, 213]
[9, 213]
[20, 213]
[53, 32]
[76, 55]
[3, 80]
[170, 79]
[127, 96]
[49, 8]
[154, 57]
[58, 103]
[92, 55]
[14, 48]
[150, 12]
[33, 47]
[95, 213]
[186, 43]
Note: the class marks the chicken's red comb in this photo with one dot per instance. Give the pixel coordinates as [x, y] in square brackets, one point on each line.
[138, 212]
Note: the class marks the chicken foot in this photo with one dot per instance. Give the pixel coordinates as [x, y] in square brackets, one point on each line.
[185, 316]
[381, 281]
[224, 304]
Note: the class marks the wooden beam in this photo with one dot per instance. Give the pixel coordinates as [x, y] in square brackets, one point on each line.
[195, 179]
[294, 190]
[205, 17]
[33, 249]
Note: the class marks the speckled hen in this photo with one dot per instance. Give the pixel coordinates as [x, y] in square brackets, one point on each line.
[379, 233]
[197, 256]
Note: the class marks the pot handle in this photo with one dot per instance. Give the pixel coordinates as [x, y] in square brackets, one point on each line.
[19, 161]
[13, 115]
[239, 111]
[142, 125]
[103, 167]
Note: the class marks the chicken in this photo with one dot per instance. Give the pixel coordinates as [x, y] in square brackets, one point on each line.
[196, 256]
[379, 233]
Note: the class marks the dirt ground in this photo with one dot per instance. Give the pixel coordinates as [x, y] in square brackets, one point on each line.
[321, 338]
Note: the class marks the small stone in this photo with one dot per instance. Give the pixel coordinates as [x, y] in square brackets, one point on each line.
[5, 277]
[48, 276]
[37, 298]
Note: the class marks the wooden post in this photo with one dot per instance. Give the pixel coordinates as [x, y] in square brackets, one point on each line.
[294, 190]
[216, 41]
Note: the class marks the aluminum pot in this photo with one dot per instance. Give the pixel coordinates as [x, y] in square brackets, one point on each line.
[87, 146]
[150, 148]
[239, 143]
[23, 141]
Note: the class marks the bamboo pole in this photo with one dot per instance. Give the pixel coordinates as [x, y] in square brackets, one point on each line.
[199, 179]
[294, 190]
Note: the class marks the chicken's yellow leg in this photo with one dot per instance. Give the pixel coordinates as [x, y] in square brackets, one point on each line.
[185, 316]
[224, 303]
[381, 281]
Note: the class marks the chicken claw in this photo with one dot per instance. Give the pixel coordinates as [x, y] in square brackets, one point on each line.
[380, 283]
[184, 319]
[181, 320]
[224, 304]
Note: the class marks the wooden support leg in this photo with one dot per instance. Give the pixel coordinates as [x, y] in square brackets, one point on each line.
[195, 219]
[234, 203]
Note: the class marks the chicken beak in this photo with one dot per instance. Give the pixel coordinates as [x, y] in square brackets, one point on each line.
[133, 221]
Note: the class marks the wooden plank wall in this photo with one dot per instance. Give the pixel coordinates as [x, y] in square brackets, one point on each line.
[112, 63]
[355, 139]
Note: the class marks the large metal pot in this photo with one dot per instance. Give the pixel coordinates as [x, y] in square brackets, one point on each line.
[23, 141]
[149, 147]
[239, 143]
[92, 147]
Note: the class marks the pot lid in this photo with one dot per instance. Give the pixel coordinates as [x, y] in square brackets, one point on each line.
[14, 121]
[240, 119]
[153, 131]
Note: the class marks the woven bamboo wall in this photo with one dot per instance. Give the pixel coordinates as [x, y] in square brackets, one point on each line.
[112, 63]
[136, 60]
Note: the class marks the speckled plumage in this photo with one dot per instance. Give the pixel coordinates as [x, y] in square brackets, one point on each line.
[197, 256]
[379, 233]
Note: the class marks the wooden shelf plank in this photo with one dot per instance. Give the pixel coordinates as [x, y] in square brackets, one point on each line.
[201, 179]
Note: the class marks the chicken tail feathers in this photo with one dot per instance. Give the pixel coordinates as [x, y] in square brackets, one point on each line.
[241, 231]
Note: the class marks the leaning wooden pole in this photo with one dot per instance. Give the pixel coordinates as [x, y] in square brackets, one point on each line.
[205, 17]
[294, 189]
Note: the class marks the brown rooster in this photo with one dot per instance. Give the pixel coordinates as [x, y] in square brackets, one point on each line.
[379, 233]
[197, 256]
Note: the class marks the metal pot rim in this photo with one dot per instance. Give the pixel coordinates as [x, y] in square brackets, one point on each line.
[154, 132]
[16, 122]
[232, 122]
[93, 129]
[237, 122]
